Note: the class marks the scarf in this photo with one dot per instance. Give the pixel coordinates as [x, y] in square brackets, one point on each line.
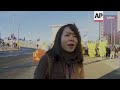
[67, 57]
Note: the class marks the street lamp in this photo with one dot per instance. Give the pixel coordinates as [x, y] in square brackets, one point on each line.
[0, 35]
[114, 37]
[111, 30]
[18, 36]
[13, 28]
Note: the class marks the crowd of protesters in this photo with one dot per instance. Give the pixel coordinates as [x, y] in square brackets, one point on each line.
[111, 51]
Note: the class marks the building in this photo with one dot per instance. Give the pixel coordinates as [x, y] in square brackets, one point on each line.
[118, 21]
[55, 29]
[110, 29]
[101, 30]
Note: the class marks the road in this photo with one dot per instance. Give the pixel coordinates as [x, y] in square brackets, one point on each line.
[22, 51]
[13, 64]
[95, 68]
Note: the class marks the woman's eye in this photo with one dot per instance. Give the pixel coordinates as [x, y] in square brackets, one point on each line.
[75, 36]
[66, 35]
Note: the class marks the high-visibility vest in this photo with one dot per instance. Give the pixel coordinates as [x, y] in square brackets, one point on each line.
[38, 54]
[35, 56]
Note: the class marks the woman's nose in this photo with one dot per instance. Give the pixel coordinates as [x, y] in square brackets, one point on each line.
[71, 38]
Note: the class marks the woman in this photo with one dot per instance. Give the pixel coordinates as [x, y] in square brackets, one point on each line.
[65, 59]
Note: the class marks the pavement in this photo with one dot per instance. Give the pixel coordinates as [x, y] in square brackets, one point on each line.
[101, 68]
[115, 73]
[8, 49]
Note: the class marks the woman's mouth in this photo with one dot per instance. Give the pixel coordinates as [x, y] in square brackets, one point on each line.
[71, 45]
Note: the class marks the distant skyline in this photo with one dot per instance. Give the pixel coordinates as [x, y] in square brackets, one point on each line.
[36, 24]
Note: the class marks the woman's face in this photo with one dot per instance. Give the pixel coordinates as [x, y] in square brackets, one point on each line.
[68, 40]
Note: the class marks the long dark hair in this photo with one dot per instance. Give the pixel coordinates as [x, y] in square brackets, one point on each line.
[56, 50]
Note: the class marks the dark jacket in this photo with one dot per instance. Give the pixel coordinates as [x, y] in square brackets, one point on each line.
[57, 70]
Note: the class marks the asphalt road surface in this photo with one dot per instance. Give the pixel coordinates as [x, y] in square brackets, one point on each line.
[17, 64]
[22, 51]
[23, 67]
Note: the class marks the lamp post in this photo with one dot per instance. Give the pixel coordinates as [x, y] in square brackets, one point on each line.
[114, 37]
[18, 36]
[111, 30]
[0, 35]
[13, 28]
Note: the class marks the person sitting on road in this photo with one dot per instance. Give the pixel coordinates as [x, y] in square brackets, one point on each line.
[65, 59]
